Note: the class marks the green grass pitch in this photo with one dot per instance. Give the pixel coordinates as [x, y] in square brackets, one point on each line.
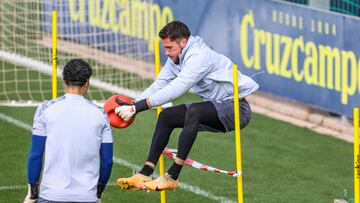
[281, 162]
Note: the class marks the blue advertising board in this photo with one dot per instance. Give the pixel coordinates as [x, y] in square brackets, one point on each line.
[302, 54]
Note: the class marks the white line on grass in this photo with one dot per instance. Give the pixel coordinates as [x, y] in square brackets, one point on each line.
[187, 187]
[13, 187]
[16, 122]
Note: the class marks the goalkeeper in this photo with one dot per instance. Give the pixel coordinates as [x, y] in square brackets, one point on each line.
[76, 137]
[190, 64]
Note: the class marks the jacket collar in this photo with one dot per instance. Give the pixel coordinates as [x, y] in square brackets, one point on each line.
[186, 48]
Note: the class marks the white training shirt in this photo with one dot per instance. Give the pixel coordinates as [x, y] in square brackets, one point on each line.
[74, 128]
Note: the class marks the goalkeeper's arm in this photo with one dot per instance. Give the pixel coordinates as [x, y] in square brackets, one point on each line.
[106, 162]
[34, 167]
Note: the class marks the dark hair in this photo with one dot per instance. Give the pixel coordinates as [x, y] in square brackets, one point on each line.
[76, 72]
[175, 30]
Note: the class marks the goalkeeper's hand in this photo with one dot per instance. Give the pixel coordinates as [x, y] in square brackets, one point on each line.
[33, 193]
[126, 112]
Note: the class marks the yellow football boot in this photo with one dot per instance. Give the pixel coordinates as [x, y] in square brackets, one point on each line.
[164, 182]
[135, 182]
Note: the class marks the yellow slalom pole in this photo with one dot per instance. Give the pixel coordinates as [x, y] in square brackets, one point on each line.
[237, 135]
[161, 159]
[54, 55]
[356, 157]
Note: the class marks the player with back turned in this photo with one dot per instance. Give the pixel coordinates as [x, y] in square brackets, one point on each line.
[76, 137]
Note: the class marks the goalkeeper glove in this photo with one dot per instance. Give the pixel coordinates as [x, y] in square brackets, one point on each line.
[126, 111]
[33, 193]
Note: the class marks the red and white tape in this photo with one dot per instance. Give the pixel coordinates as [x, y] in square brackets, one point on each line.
[172, 154]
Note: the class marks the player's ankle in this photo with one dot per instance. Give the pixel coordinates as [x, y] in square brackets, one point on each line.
[146, 170]
[174, 171]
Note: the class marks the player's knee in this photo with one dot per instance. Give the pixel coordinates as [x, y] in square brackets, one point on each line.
[192, 112]
[165, 115]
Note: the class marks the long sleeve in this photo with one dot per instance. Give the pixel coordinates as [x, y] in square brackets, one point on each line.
[35, 158]
[193, 71]
[38, 141]
[106, 162]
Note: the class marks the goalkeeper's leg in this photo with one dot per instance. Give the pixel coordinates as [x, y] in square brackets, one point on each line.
[198, 113]
[169, 119]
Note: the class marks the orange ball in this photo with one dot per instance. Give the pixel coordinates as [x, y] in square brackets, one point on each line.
[110, 106]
